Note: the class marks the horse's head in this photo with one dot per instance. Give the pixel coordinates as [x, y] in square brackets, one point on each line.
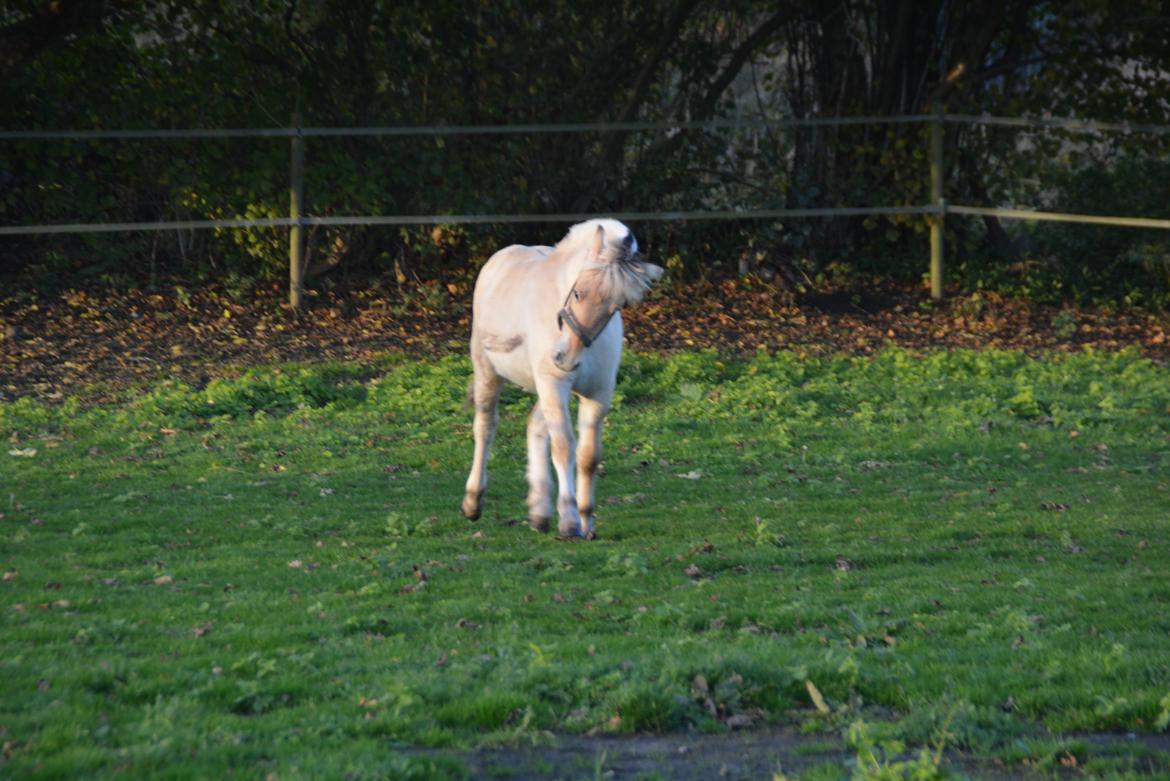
[613, 276]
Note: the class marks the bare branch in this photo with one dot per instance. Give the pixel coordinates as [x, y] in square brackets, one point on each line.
[739, 58]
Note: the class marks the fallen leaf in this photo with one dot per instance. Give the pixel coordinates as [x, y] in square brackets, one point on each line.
[815, 695]
[162, 580]
[27, 452]
[692, 571]
[740, 720]
[202, 631]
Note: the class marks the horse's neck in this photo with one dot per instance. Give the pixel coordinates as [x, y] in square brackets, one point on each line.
[569, 266]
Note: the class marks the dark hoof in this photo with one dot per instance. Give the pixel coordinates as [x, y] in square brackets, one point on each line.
[471, 508]
[538, 524]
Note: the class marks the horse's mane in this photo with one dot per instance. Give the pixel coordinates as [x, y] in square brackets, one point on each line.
[622, 276]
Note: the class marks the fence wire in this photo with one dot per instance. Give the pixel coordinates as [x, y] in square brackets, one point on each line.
[583, 127]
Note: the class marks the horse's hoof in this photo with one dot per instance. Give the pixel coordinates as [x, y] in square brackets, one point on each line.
[538, 524]
[471, 508]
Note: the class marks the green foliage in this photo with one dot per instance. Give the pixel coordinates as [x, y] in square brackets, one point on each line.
[256, 392]
[1092, 262]
[879, 760]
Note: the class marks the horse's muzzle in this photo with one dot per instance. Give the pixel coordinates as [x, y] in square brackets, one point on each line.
[560, 360]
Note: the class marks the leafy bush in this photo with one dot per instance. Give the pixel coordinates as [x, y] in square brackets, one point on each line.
[1062, 261]
[275, 391]
[1121, 263]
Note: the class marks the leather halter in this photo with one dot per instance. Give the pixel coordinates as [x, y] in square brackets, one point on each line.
[586, 335]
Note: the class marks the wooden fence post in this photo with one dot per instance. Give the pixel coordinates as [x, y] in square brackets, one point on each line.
[936, 200]
[296, 193]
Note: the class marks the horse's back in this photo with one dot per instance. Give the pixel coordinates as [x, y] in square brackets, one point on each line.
[517, 254]
[508, 290]
[507, 273]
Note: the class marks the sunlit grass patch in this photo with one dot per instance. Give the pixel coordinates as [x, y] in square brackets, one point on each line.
[960, 545]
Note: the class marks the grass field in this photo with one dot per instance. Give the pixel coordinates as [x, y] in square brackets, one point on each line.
[966, 550]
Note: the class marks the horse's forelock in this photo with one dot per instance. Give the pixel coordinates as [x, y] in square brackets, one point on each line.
[622, 251]
[623, 277]
[624, 281]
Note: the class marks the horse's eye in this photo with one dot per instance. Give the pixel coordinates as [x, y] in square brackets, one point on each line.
[576, 296]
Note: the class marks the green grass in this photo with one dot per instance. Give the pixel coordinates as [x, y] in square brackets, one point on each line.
[965, 546]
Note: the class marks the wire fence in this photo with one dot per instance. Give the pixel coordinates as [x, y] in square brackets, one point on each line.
[462, 219]
[937, 209]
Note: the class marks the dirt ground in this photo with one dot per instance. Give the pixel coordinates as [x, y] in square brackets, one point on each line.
[100, 343]
[755, 755]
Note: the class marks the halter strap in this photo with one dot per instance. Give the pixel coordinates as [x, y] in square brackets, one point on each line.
[566, 317]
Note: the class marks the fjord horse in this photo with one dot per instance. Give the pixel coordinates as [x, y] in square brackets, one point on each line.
[549, 320]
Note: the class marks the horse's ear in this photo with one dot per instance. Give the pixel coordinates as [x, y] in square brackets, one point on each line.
[653, 272]
[628, 245]
[598, 242]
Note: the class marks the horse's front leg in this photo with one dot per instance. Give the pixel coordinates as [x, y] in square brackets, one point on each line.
[486, 393]
[590, 418]
[539, 479]
[554, 403]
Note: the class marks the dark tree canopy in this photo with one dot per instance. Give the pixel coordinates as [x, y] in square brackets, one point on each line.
[81, 64]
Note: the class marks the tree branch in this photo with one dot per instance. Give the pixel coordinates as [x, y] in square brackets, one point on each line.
[739, 58]
[612, 149]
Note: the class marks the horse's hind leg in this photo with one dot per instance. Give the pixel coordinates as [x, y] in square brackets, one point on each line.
[590, 417]
[539, 479]
[485, 394]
